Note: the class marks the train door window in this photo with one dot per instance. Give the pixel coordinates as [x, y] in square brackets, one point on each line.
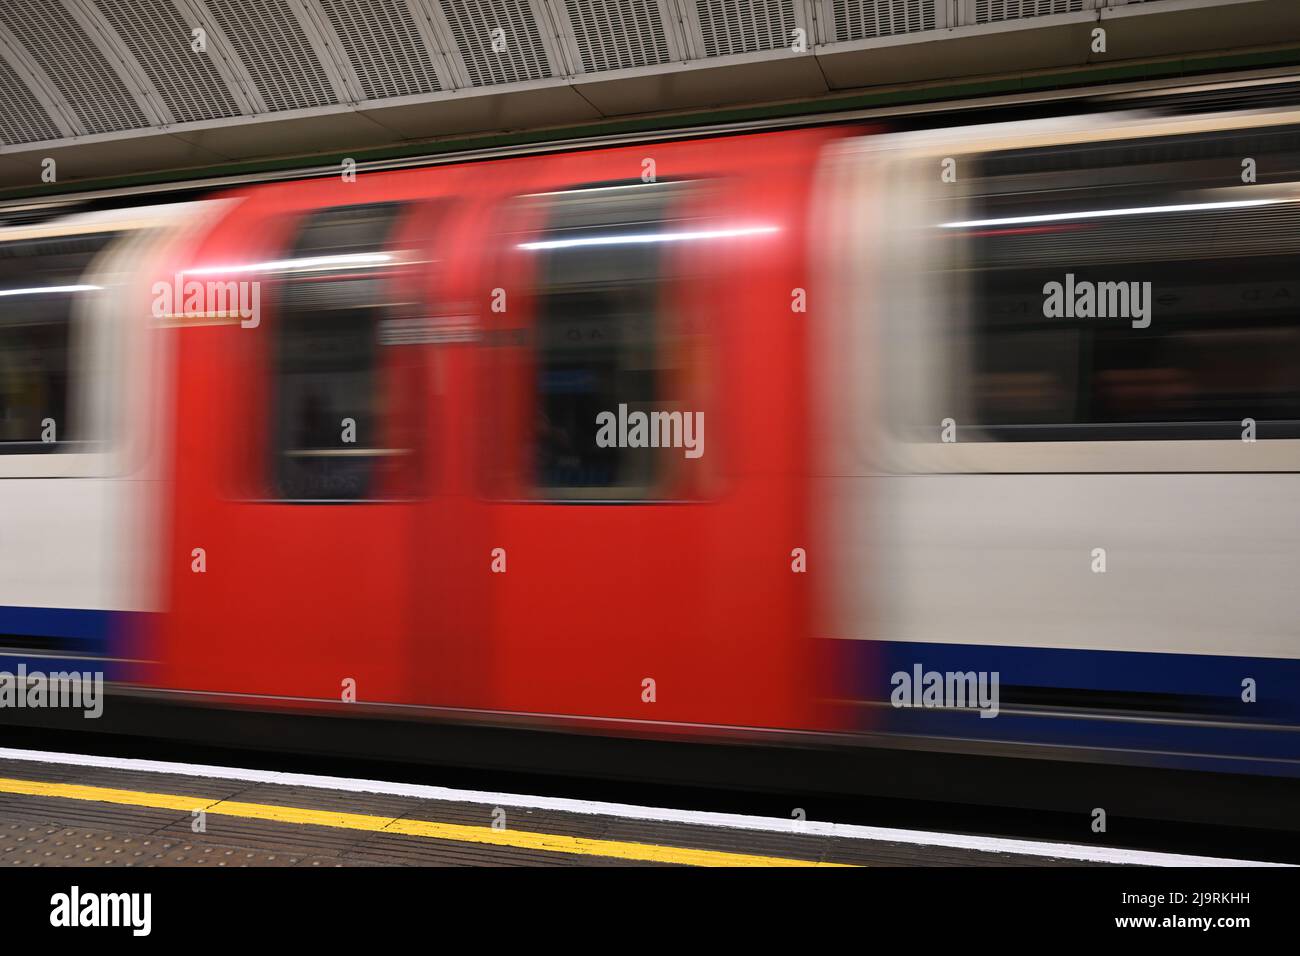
[606, 347]
[337, 395]
[42, 287]
[1177, 297]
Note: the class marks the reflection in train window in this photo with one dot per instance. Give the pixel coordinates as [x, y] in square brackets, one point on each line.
[42, 286]
[335, 396]
[603, 342]
[1208, 295]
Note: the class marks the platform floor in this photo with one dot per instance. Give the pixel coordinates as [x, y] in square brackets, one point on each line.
[55, 814]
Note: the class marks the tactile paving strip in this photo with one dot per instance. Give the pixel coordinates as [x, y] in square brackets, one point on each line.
[50, 845]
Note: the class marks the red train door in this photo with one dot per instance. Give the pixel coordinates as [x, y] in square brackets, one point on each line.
[615, 580]
[303, 449]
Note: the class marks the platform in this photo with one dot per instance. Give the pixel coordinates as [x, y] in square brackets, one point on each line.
[71, 810]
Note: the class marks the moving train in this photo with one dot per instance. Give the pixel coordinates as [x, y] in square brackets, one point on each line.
[983, 439]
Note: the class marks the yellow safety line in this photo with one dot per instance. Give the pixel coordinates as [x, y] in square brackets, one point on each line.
[521, 839]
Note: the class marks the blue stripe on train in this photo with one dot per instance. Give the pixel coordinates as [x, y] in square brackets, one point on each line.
[91, 627]
[1188, 710]
[63, 639]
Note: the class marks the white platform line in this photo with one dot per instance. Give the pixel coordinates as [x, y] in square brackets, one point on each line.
[1063, 851]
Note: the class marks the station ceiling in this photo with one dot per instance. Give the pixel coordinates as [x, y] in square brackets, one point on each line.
[110, 87]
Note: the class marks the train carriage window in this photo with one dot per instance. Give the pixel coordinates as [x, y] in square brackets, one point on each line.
[604, 342]
[336, 395]
[42, 287]
[1178, 312]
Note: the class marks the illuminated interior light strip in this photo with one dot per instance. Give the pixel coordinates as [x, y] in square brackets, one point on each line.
[296, 265]
[1108, 213]
[38, 290]
[644, 237]
[587, 190]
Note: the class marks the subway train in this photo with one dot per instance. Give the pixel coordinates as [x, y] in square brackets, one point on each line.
[980, 440]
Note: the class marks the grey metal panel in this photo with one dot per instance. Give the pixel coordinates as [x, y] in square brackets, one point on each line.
[998, 11]
[605, 35]
[223, 56]
[531, 51]
[116, 52]
[682, 30]
[22, 117]
[90, 83]
[328, 46]
[158, 37]
[563, 53]
[437, 40]
[729, 27]
[384, 48]
[49, 100]
[280, 55]
[846, 20]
